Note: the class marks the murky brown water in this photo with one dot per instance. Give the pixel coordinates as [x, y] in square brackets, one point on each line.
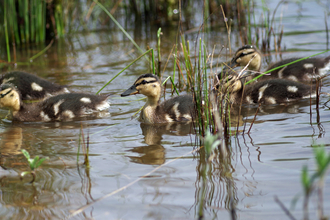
[266, 163]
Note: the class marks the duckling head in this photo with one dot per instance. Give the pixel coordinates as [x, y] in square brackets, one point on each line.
[231, 84]
[247, 55]
[148, 85]
[10, 97]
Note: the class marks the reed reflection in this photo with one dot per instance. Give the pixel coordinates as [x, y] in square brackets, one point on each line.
[154, 152]
[216, 188]
[221, 183]
[50, 192]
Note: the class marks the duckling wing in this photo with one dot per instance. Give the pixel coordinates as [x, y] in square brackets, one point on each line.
[277, 91]
[303, 71]
[32, 86]
[73, 105]
[178, 109]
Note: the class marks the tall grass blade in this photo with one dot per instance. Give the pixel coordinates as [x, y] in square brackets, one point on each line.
[26, 20]
[124, 69]
[32, 18]
[173, 84]
[43, 51]
[6, 32]
[13, 21]
[119, 26]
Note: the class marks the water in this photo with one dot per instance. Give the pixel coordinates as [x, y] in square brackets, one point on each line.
[265, 163]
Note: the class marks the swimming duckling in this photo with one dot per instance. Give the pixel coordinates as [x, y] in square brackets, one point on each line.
[55, 108]
[272, 91]
[302, 71]
[177, 109]
[31, 86]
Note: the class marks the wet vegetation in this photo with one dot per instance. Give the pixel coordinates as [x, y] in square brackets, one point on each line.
[29, 24]
[34, 164]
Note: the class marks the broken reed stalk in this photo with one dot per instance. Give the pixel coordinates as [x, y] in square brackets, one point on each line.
[317, 98]
[254, 118]
[286, 211]
[85, 146]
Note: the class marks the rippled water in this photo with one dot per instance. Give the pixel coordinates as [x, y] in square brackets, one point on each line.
[265, 163]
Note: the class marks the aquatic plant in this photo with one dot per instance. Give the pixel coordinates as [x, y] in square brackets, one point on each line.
[311, 183]
[315, 181]
[34, 163]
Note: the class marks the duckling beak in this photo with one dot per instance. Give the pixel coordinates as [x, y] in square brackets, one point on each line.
[232, 63]
[131, 91]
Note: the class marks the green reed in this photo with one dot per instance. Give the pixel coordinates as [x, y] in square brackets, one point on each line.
[60, 28]
[145, 53]
[6, 33]
[119, 26]
[32, 24]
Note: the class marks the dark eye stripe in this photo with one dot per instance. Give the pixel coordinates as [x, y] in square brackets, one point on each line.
[145, 82]
[244, 54]
[3, 95]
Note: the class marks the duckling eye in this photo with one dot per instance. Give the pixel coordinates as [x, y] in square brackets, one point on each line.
[3, 95]
[240, 56]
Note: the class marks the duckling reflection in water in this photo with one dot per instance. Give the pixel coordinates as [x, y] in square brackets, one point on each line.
[301, 71]
[11, 141]
[55, 108]
[31, 86]
[177, 109]
[272, 91]
[154, 152]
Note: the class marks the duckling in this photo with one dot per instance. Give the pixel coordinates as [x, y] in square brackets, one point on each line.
[31, 86]
[55, 108]
[302, 71]
[272, 91]
[177, 109]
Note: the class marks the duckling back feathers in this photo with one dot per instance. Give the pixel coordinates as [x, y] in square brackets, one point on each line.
[32, 86]
[56, 108]
[272, 91]
[301, 71]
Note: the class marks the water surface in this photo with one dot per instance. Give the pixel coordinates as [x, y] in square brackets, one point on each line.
[265, 163]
